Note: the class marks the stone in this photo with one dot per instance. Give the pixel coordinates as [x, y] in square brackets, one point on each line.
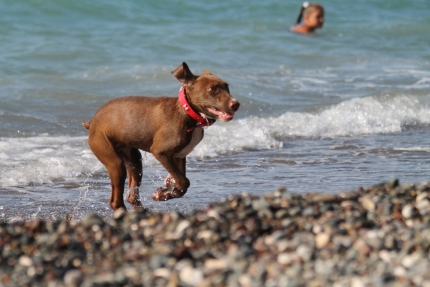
[92, 219]
[408, 211]
[321, 240]
[286, 258]
[260, 204]
[191, 276]
[305, 252]
[73, 278]
[25, 261]
[216, 264]
[325, 198]
[368, 203]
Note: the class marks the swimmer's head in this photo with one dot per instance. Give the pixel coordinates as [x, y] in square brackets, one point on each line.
[312, 14]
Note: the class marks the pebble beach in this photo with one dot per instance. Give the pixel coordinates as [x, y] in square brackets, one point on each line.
[372, 236]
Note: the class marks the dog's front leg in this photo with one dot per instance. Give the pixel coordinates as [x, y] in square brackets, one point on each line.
[169, 181]
[176, 182]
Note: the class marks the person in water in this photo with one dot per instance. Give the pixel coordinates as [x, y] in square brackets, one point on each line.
[313, 18]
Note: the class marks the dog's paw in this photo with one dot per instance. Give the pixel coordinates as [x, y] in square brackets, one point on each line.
[161, 194]
[169, 182]
[137, 204]
[133, 198]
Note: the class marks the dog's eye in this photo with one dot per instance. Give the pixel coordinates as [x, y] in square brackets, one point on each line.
[212, 89]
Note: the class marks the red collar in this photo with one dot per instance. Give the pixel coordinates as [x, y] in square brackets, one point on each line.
[189, 110]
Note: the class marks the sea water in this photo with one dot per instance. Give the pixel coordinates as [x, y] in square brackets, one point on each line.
[346, 107]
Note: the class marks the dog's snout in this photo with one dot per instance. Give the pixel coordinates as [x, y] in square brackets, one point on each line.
[234, 105]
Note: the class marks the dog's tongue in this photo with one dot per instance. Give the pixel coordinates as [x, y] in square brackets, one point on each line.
[223, 116]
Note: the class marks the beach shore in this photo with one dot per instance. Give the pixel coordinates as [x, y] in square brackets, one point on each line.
[373, 236]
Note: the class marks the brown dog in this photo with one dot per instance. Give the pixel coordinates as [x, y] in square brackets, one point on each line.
[169, 128]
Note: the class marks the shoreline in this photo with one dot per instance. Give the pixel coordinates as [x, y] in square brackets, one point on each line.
[379, 235]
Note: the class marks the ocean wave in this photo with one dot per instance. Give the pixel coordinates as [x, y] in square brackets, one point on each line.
[385, 113]
[358, 116]
[45, 159]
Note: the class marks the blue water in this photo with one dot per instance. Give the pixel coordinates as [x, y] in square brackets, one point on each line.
[346, 107]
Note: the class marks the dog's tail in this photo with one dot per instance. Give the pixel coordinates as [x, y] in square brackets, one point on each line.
[86, 124]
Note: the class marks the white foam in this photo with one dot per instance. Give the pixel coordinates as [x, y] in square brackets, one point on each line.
[422, 83]
[235, 136]
[43, 159]
[416, 148]
[358, 116]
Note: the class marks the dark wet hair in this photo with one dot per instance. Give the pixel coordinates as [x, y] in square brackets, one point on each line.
[306, 6]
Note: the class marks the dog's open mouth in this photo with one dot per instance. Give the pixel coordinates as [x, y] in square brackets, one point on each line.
[223, 116]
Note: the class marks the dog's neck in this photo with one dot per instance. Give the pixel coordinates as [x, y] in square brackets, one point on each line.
[203, 122]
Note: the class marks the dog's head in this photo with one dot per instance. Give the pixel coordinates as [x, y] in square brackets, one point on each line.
[207, 94]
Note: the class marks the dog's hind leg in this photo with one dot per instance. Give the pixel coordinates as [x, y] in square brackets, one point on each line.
[133, 163]
[109, 157]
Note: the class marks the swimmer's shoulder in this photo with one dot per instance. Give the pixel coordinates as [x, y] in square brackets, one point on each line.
[299, 29]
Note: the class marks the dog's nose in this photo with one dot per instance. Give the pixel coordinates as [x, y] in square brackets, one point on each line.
[234, 105]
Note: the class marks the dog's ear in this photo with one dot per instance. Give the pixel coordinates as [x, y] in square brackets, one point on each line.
[183, 74]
